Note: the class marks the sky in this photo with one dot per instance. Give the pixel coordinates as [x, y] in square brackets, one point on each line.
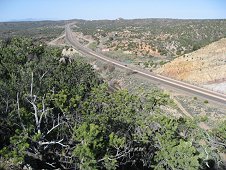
[111, 9]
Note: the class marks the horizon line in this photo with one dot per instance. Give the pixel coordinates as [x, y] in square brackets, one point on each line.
[55, 19]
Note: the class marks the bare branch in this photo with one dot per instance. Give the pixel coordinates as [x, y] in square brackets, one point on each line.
[32, 78]
[53, 143]
[51, 164]
[40, 79]
[36, 115]
[44, 110]
[54, 127]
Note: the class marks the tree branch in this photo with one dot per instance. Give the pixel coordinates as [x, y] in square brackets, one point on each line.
[36, 115]
[53, 143]
[32, 78]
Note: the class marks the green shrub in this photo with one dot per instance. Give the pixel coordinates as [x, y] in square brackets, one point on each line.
[206, 101]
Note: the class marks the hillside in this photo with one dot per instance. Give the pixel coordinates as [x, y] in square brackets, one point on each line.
[204, 66]
[39, 30]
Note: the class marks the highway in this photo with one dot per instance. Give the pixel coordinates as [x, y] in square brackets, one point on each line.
[188, 88]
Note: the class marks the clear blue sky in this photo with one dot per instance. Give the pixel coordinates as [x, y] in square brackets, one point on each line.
[112, 9]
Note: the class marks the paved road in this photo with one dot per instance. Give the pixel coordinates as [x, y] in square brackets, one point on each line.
[188, 88]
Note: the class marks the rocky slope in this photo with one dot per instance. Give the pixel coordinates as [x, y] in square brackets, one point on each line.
[204, 66]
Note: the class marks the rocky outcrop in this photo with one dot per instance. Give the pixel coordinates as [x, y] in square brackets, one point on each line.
[69, 52]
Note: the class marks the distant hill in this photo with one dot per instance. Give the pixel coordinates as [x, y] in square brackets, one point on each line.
[168, 37]
[141, 37]
[29, 19]
[42, 30]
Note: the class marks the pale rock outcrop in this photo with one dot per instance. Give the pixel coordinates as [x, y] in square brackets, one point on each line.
[204, 66]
